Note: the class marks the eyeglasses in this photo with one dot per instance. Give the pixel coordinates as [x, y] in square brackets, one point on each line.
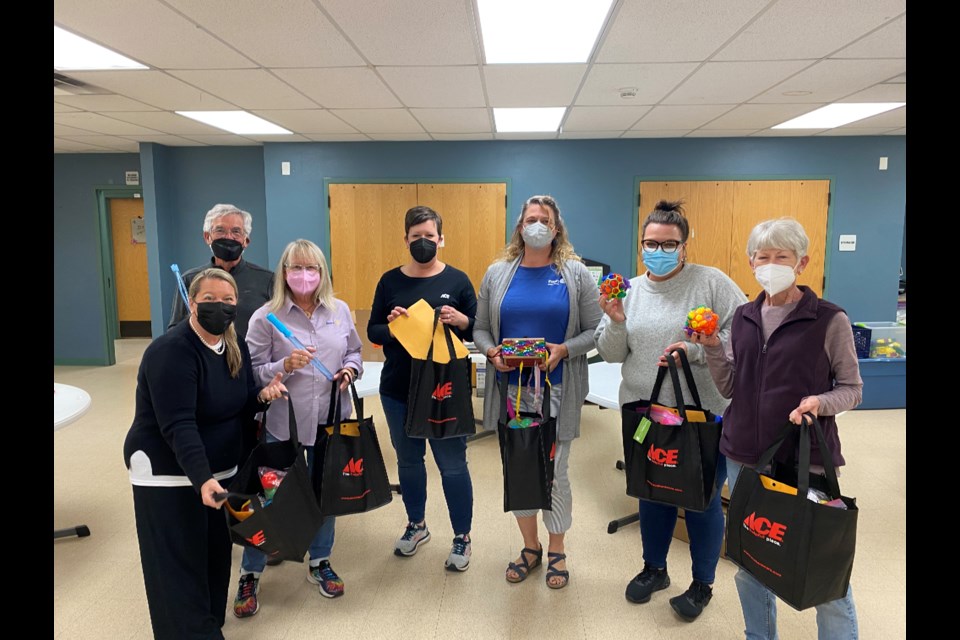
[668, 246]
[235, 232]
[299, 268]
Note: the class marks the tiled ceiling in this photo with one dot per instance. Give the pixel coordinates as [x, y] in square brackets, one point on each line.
[348, 70]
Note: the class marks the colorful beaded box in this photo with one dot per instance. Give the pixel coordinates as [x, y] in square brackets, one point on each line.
[526, 351]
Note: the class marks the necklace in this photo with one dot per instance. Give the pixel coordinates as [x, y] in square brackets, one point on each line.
[216, 348]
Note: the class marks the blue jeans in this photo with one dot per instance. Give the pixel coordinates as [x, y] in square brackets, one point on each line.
[254, 561]
[450, 455]
[836, 620]
[657, 522]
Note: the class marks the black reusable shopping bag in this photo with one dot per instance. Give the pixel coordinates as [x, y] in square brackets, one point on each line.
[671, 464]
[439, 403]
[284, 528]
[349, 475]
[527, 455]
[799, 549]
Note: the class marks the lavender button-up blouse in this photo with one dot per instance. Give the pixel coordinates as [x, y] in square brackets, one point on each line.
[338, 345]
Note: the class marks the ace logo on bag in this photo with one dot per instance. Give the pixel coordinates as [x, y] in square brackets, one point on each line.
[663, 457]
[353, 468]
[443, 391]
[763, 528]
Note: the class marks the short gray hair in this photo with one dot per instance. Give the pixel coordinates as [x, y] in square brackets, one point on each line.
[782, 233]
[220, 210]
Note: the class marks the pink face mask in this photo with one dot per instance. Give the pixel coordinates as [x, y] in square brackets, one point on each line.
[303, 283]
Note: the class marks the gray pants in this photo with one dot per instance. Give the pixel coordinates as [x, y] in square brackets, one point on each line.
[560, 515]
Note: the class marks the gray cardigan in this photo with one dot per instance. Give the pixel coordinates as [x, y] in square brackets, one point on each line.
[584, 317]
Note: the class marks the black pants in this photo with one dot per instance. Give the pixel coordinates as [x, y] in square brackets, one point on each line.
[185, 552]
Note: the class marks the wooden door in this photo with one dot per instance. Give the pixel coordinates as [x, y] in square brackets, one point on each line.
[473, 223]
[130, 266]
[722, 214]
[366, 237]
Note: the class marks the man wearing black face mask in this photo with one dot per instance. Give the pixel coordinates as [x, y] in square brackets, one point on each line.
[226, 230]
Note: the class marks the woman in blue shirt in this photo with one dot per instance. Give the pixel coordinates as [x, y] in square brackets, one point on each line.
[541, 288]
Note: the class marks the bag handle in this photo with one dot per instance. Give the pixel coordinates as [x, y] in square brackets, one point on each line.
[291, 420]
[503, 382]
[447, 337]
[803, 466]
[688, 374]
[334, 413]
[677, 389]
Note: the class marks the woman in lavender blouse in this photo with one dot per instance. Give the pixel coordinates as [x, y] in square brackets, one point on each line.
[303, 300]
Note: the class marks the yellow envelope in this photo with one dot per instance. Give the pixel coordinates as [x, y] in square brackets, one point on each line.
[772, 485]
[414, 332]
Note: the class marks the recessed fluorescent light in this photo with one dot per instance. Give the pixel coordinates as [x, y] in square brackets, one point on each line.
[540, 30]
[837, 115]
[239, 122]
[73, 53]
[528, 120]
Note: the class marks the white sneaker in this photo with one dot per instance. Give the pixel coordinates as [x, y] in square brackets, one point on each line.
[459, 558]
[414, 536]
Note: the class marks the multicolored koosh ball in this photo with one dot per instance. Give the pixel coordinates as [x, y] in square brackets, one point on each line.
[614, 285]
[701, 320]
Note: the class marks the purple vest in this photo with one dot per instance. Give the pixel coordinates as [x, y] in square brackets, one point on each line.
[771, 379]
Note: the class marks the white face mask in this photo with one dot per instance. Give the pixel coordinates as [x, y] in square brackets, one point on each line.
[775, 278]
[537, 235]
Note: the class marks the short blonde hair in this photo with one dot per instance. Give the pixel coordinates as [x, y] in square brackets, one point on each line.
[311, 253]
[781, 233]
[234, 358]
[561, 249]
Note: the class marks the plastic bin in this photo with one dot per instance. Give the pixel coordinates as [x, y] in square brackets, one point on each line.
[880, 340]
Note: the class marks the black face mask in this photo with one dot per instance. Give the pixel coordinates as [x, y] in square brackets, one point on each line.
[227, 249]
[423, 250]
[215, 317]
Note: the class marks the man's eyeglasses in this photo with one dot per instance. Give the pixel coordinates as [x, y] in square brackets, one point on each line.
[235, 232]
[300, 268]
[668, 246]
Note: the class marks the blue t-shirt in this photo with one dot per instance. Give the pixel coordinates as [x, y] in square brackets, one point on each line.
[536, 305]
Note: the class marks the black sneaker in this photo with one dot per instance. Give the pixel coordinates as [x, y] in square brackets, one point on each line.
[691, 602]
[645, 583]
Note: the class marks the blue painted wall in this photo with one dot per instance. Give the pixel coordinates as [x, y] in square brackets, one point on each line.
[181, 184]
[593, 181]
[78, 311]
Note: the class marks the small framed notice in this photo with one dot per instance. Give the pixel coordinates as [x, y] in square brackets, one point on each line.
[138, 234]
[133, 178]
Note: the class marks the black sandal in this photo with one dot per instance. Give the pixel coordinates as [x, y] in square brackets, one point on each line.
[554, 558]
[525, 567]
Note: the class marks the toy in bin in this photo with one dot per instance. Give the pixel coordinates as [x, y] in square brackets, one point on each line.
[614, 285]
[887, 348]
[701, 320]
[270, 479]
[525, 351]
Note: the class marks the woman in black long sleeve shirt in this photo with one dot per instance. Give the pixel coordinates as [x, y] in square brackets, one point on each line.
[449, 289]
[195, 389]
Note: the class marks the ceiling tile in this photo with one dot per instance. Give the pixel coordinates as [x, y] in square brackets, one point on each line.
[880, 93]
[306, 121]
[665, 133]
[308, 38]
[414, 32]
[65, 145]
[169, 141]
[532, 85]
[226, 139]
[786, 133]
[720, 133]
[345, 88]
[380, 120]
[602, 118]
[400, 137]
[166, 122]
[99, 124]
[590, 135]
[104, 103]
[732, 82]
[62, 108]
[680, 117]
[111, 142]
[641, 29]
[808, 29]
[830, 80]
[453, 120]
[435, 87]
[279, 137]
[64, 130]
[893, 119]
[338, 137]
[247, 88]
[849, 131]
[154, 87]
[652, 82]
[889, 41]
[758, 116]
[898, 132]
[462, 136]
[130, 27]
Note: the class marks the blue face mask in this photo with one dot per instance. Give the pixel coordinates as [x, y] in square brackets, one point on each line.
[659, 262]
